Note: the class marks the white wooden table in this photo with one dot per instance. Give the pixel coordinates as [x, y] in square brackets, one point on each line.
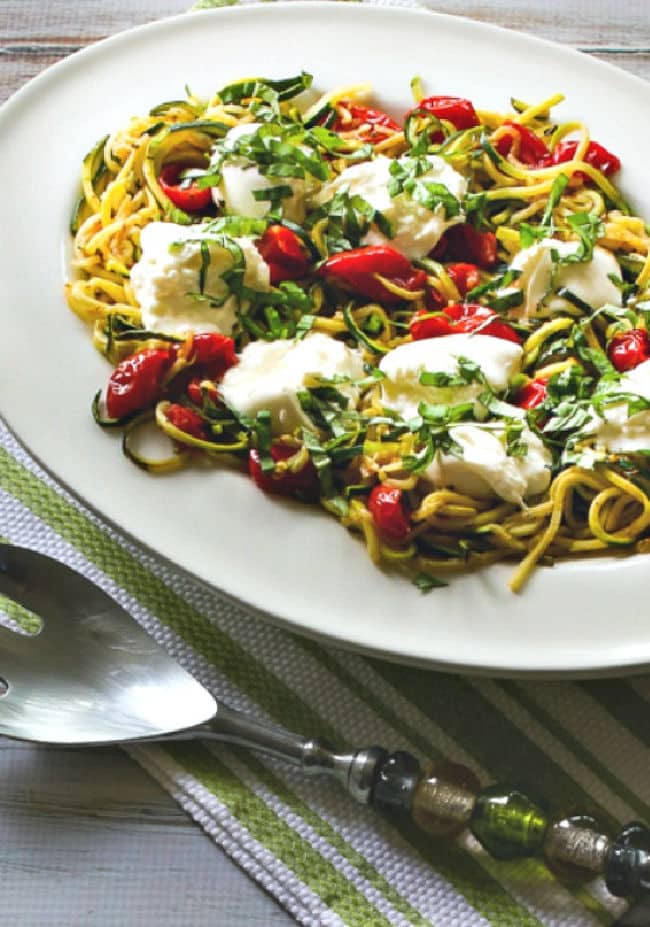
[86, 838]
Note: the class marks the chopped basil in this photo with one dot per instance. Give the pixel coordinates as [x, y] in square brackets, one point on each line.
[557, 190]
[263, 88]
[530, 234]
[515, 445]
[263, 440]
[468, 372]
[567, 416]
[273, 195]
[236, 226]
[493, 285]
[408, 177]
[359, 335]
[474, 206]
[205, 263]
[589, 228]
[304, 325]
[593, 356]
[425, 582]
[282, 312]
[348, 218]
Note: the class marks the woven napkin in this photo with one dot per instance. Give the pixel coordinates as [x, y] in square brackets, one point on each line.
[326, 860]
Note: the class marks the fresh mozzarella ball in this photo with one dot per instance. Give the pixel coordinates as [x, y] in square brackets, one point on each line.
[166, 279]
[270, 374]
[485, 470]
[588, 280]
[637, 380]
[241, 178]
[617, 432]
[417, 229]
[402, 391]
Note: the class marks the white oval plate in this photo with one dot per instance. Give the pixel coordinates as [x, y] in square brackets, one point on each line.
[294, 564]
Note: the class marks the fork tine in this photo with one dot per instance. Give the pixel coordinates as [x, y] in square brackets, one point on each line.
[40, 584]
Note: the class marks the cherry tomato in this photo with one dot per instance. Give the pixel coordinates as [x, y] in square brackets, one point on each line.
[356, 270]
[434, 300]
[388, 511]
[186, 194]
[369, 125]
[456, 110]
[285, 254]
[528, 147]
[186, 420]
[532, 394]
[426, 324]
[461, 318]
[596, 155]
[629, 349]
[472, 317]
[137, 381]
[465, 243]
[195, 391]
[303, 483]
[213, 350]
[465, 276]
[209, 355]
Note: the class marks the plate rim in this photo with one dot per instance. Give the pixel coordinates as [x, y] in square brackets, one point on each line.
[76, 60]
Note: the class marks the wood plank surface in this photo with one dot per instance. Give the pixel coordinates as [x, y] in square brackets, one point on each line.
[87, 839]
[34, 34]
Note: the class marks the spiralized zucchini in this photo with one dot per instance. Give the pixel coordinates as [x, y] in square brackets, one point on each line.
[596, 501]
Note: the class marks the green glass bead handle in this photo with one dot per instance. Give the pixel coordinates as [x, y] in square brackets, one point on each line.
[445, 799]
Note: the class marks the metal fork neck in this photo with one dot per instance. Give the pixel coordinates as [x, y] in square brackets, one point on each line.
[355, 770]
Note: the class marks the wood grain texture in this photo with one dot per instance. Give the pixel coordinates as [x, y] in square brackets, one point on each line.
[87, 839]
[34, 34]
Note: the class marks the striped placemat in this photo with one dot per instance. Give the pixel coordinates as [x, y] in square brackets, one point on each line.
[327, 861]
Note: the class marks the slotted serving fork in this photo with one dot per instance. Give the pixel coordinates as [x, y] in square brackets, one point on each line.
[91, 675]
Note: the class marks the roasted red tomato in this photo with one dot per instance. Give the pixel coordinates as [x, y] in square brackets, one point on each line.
[186, 194]
[209, 355]
[137, 381]
[303, 483]
[461, 318]
[472, 317]
[465, 243]
[465, 276]
[186, 420]
[526, 146]
[532, 394]
[195, 391]
[369, 125]
[356, 270]
[599, 157]
[214, 351]
[628, 349]
[285, 254]
[456, 110]
[386, 505]
[426, 324]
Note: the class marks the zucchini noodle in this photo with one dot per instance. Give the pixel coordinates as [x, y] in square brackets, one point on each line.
[529, 179]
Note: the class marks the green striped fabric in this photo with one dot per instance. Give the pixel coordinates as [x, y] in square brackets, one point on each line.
[583, 745]
[327, 861]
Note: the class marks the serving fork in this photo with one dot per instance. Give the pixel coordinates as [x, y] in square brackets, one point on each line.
[85, 673]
